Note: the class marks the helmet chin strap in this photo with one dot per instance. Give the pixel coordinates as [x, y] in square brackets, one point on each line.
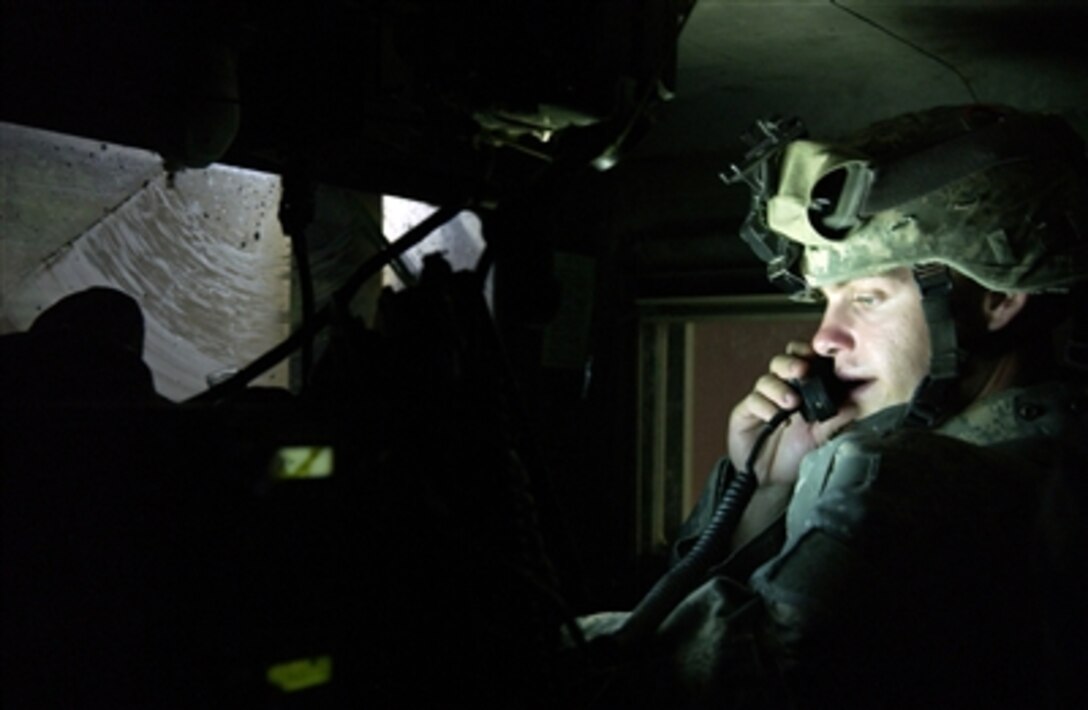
[1076, 345]
[934, 395]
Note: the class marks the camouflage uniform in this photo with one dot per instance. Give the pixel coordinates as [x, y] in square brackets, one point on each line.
[901, 549]
[912, 567]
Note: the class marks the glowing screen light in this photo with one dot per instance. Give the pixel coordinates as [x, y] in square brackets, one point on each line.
[303, 462]
[300, 674]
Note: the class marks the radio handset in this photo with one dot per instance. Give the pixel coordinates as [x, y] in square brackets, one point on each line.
[821, 391]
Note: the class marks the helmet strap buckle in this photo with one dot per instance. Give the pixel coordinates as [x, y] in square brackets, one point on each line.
[933, 396]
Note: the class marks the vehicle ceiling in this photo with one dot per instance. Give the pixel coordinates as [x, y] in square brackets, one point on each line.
[475, 99]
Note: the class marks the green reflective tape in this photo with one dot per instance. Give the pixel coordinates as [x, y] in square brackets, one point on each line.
[293, 462]
[300, 674]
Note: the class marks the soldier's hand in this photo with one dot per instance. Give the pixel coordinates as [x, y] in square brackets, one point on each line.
[781, 456]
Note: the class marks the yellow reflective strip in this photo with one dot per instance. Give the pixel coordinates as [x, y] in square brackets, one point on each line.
[300, 674]
[303, 462]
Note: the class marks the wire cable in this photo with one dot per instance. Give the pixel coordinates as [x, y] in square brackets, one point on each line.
[921, 50]
[323, 317]
[712, 546]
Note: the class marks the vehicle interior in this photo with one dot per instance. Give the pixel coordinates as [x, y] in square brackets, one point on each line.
[444, 307]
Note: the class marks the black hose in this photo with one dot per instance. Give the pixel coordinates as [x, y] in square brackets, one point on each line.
[301, 251]
[713, 545]
[296, 213]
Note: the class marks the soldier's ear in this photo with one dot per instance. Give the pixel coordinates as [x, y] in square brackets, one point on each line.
[999, 308]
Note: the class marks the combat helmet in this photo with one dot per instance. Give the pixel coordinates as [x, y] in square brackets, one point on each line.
[996, 194]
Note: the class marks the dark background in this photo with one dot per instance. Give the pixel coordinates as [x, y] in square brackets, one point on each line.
[513, 109]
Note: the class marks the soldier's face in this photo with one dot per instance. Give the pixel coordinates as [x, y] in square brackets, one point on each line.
[875, 330]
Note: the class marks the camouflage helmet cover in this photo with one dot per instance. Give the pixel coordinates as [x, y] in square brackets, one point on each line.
[1013, 226]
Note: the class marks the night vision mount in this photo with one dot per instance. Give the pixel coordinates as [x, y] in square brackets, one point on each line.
[851, 193]
[766, 140]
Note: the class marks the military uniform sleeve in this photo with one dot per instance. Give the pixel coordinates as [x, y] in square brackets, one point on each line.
[901, 553]
[913, 542]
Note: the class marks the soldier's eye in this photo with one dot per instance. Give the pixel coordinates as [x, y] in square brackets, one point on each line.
[866, 299]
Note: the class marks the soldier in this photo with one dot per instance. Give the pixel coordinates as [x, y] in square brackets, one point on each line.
[920, 547]
[85, 348]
